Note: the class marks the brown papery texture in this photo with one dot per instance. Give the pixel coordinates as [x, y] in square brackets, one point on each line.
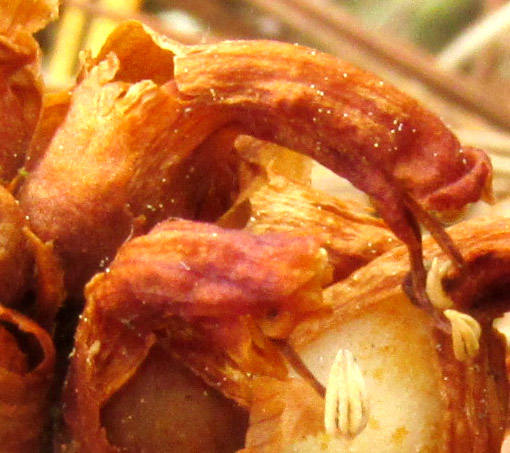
[15, 254]
[281, 413]
[28, 266]
[26, 374]
[122, 158]
[365, 130]
[118, 163]
[21, 84]
[275, 200]
[213, 297]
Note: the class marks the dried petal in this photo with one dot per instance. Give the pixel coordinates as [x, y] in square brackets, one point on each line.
[30, 15]
[349, 231]
[282, 411]
[25, 380]
[343, 117]
[119, 163]
[21, 83]
[349, 121]
[208, 295]
[15, 255]
[362, 129]
[48, 281]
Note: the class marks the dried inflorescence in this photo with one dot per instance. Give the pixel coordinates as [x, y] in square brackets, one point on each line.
[155, 132]
[319, 106]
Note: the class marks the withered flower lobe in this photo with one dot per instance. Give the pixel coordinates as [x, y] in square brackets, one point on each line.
[27, 264]
[363, 129]
[274, 201]
[21, 82]
[112, 170]
[26, 375]
[15, 254]
[212, 296]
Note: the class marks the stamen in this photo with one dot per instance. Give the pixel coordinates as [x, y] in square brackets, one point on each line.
[434, 286]
[346, 403]
[502, 326]
[465, 330]
[465, 334]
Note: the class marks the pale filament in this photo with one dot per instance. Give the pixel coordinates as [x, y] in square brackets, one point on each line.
[434, 286]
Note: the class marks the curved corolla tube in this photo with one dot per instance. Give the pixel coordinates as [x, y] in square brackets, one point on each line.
[363, 129]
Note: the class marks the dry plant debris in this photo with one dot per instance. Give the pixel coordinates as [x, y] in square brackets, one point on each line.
[147, 201]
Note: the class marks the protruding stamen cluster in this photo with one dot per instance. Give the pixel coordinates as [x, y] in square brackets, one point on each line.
[465, 329]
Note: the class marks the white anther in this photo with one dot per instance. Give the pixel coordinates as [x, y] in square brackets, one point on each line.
[346, 403]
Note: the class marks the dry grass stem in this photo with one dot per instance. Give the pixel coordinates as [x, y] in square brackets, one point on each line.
[330, 25]
[475, 38]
